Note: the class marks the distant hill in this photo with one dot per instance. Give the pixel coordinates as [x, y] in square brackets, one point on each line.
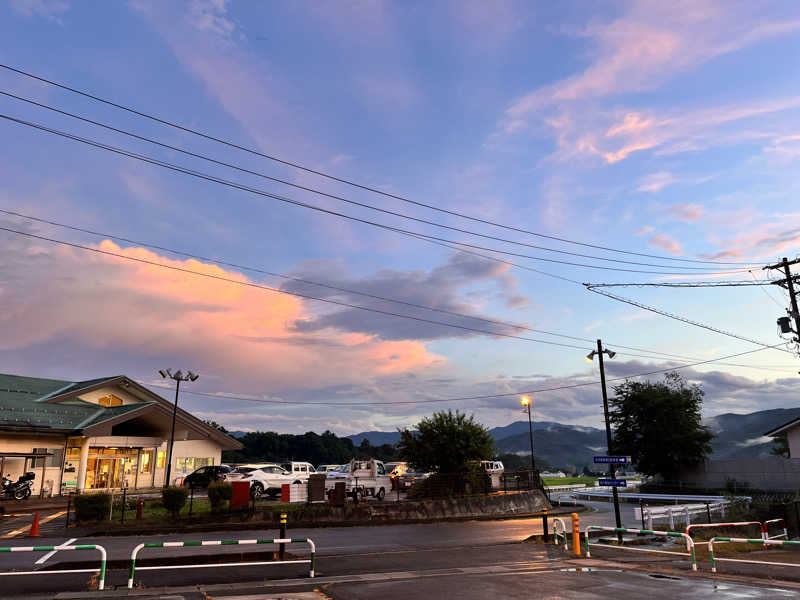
[737, 436]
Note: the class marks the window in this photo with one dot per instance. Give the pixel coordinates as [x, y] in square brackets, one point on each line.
[146, 462]
[381, 469]
[162, 459]
[38, 462]
[110, 400]
[57, 459]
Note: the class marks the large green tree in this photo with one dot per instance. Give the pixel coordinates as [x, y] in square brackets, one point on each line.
[446, 442]
[658, 425]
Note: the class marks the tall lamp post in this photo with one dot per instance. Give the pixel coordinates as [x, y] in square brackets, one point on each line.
[178, 376]
[599, 353]
[526, 402]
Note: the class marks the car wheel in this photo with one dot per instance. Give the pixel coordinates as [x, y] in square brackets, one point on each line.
[257, 491]
[381, 494]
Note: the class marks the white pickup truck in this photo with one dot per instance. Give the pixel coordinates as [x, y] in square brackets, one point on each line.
[362, 478]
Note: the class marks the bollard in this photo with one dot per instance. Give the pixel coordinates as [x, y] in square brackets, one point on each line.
[546, 533]
[191, 499]
[282, 547]
[576, 535]
[708, 511]
[34, 532]
[124, 501]
[139, 508]
[69, 503]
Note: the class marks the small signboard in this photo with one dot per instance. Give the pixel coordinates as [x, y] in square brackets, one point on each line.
[612, 483]
[612, 460]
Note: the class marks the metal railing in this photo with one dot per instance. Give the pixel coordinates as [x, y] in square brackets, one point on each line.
[563, 535]
[673, 534]
[102, 570]
[766, 543]
[194, 544]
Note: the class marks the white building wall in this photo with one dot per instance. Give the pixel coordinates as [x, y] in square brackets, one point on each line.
[793, 437]
[192, 449]
[14, 467]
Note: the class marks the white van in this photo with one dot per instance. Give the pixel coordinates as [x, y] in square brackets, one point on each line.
[299, 470]
[493, 467]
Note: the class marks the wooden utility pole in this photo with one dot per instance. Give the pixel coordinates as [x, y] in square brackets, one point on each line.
[788, 284]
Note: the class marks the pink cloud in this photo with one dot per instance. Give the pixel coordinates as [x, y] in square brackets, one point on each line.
[645, 230]
[112, 306]
[687, 212]
[666, 243]
[656, 182]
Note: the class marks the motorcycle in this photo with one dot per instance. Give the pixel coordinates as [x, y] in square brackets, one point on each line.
[19, 489]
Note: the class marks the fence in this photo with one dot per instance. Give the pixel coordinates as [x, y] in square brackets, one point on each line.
[195, 544]
[714, 559]
[684, 513]
[673, 534]
[102, 570]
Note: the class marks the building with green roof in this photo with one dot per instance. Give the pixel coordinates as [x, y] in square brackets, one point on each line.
[100, 434]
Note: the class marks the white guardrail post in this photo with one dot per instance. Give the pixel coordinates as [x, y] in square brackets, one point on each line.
[747, 541]
[194, 544]
[102, 570]
[676, 534]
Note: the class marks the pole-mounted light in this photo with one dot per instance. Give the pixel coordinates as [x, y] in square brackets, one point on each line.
[177, 376]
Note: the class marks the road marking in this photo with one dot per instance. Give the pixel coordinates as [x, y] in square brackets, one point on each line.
[17, 532]
[52, 552]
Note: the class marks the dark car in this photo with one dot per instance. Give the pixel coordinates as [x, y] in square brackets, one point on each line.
[205, 475]
[408, 479]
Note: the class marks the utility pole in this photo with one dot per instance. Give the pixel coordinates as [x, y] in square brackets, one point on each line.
[611, 471]
[788, 283]
[177, 377]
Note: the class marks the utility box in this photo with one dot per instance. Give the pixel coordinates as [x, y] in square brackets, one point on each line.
[316, 487]
[339, 493]
[240, 497]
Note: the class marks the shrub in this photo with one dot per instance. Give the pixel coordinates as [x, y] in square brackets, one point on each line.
[174, 498]
[473, 479]
[92, 507]
[219, 492]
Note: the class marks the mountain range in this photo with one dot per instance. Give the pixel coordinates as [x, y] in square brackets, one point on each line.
[736, 436]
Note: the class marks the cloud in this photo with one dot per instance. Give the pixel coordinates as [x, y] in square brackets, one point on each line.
[666, 243]
[209, 15]
[45, 9]
[687, 212]
[100, 305]
[655, 182]
[648, 45]
[645, 230]
[440, 288]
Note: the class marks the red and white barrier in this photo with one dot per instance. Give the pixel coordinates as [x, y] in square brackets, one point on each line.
[294, 492]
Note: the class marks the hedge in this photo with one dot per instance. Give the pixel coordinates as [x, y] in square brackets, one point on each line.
[92, 507]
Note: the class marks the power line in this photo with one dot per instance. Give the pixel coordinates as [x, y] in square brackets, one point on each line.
[280, 291]
[681, 319]
[214, 179]
[354, 184]
[334, 196]
[225, 263]
[224, 395]
[685, 284]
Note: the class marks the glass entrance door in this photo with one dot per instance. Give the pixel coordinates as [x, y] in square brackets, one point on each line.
[111, 468]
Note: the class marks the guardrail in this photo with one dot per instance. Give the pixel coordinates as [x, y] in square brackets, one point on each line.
[194, 544]
[648, 514]
[102, 570]
[765, 531]
[563, 535]
[690, 528]
[689, 541]
[748, 541]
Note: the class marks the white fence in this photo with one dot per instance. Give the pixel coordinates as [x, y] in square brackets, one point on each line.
[679, 513]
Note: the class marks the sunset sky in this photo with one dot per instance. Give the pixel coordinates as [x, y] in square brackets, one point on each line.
[663, 128]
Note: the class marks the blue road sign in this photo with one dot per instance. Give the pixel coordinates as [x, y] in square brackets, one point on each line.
[612, 460]
[612, 483]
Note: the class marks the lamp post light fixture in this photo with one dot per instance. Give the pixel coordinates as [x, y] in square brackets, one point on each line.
[528, 403]
[590, 357]
[178, 376]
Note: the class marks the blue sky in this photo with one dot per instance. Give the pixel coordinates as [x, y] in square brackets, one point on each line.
[667, 130]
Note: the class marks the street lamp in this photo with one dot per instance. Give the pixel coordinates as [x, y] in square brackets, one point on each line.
[526, 402]
[590, 357]
[178, 376]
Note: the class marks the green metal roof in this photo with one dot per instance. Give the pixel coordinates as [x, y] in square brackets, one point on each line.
[21, 405]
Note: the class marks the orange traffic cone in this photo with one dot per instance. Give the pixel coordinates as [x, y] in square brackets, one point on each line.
[35, 525]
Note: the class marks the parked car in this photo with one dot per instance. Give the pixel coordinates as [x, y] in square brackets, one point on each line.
[205, 475]
[362, 478]
[328, 468]
[301, 470]
[409, 478]
[493, 467]
[264, 478]
[395, 470]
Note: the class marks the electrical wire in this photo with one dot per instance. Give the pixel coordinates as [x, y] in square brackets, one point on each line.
[334, 196]
[686, 284]
[226, 263]
[227, 396]
[766, 292]
[682, 319]
[351, 183]
[214, 179]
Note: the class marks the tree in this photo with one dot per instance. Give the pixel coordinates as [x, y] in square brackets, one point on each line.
[658, 425]
[780, 446]
[446, 442]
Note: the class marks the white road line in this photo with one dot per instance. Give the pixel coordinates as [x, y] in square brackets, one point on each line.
[50, 554]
